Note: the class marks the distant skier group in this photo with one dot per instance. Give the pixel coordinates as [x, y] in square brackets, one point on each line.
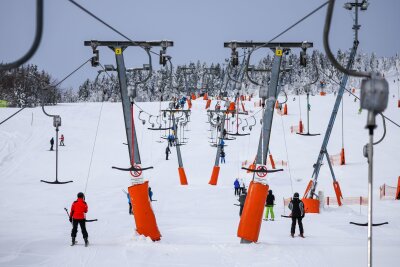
[52, 142]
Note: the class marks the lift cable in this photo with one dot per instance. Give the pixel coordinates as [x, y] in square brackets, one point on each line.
[109, 26]
[95, 137]
[287, 154]
[349, 91]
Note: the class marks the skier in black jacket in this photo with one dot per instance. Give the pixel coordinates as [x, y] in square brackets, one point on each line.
[242, 200]
[297, 208]
[51, 143]
[167, 152]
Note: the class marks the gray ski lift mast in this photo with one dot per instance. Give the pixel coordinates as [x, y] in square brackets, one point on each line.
[312, 185]
[269, 96]
[374, 98]
[128, 98]
[307, 89]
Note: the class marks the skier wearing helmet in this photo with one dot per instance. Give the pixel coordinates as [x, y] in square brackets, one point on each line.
[77, 216]
[297, 208]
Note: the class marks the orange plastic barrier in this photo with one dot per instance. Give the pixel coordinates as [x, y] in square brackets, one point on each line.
[144, 216]
[231, 106]
[311, 205]
[214, 176]
[398, 190]
[205, 97]
[182, 176]
[308, 188]
[300, 126]
[271, 159]
[189, 103]
[208, 103]
[322, 93]
[250, 221]
[193, 97]
[277, 104]
[285, 110]
[342, 157]
[338, 192]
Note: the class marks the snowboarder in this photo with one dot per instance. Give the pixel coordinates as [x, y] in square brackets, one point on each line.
[150, 194]
[62, 140]
[297, 208]
[237, 186]
[167, 152]
[51, 143]
[222, 156]
[242, 200]
[77, 216]
[269, 204]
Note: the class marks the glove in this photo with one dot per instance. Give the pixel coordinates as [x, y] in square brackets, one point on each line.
[70, 219]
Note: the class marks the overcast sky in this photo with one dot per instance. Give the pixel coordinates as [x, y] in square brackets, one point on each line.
[198, 28]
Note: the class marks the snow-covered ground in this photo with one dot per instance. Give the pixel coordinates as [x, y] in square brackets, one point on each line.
[198, 222]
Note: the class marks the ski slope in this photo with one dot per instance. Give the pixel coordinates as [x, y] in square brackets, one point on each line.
[198, 222]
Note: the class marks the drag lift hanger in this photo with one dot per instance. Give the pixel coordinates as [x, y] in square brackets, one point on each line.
[374, 98]
[307, 89]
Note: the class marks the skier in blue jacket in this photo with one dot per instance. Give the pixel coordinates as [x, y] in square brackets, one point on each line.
[237, 186]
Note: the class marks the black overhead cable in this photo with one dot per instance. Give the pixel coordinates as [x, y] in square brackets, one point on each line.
[108, 25]
[349, 91]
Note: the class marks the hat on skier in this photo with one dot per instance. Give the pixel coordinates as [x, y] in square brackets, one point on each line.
[80, 195]
[270, 192]
[296, 195]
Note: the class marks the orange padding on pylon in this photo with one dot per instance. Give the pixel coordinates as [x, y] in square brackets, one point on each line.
[144, 216]
[193, 97]
[311, 205]
[189, 103]
[205, 97]
[308, 188]
[231, 106]
[276, 104]
[338, 192]
[300, 127]
[182, 176]
[285, 110]
[250, 221]
[208, 103]
[214, 176]
[342, 157]
[272, 161]
[322, 93]
[398, 190]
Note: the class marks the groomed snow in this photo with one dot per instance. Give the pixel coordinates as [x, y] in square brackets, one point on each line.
[198, 222]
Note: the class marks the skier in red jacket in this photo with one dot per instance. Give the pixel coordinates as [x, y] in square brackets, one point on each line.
[77, 216]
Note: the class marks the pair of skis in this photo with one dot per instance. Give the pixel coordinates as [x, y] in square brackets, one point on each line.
[75, 242]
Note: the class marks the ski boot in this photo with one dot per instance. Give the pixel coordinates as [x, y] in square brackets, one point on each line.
[86, 242]
[73, 241]
[301, 235]
[292, 235]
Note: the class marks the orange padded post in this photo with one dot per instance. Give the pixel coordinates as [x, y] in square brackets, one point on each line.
[193, 97]
[205, 97]
[342, 157]
[144, 216]
[214, 176]
[189, 103]
[250, 221]
[285, 109]
[398, 190]
[208, 103]
[272, 161]
[300, 126]
[311, 205]
[277, 104]
[338, 193]
[231, 106]
[308, 188]
[182, 176]
[322, 93]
